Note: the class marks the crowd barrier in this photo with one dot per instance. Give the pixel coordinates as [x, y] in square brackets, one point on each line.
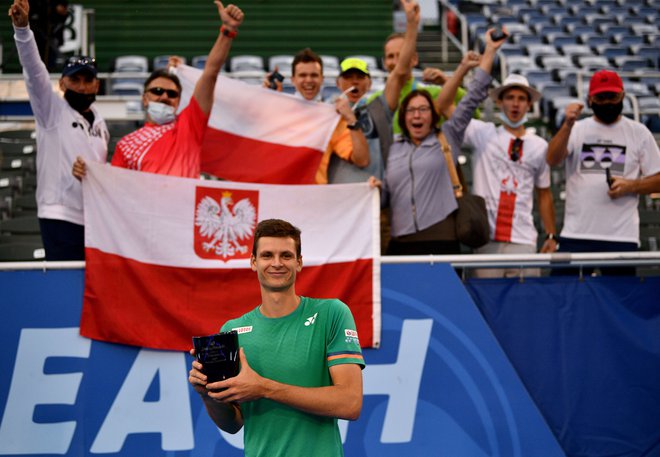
[508, 368]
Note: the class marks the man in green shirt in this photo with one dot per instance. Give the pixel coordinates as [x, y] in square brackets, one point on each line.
[304, 369]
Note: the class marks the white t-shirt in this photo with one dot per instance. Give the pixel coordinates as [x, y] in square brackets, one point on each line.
[507, 186]
[629, 150]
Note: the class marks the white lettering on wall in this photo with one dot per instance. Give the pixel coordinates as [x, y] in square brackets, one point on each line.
[170, 415]
[30, 387]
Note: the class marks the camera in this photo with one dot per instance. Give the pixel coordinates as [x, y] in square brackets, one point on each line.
[498, 34]
[275, 76]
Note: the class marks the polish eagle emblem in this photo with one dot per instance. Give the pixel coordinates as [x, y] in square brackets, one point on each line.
[226, 224]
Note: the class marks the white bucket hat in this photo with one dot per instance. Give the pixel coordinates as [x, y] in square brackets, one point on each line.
[515, 80]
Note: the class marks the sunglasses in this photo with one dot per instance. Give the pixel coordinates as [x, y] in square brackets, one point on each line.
[80, 60]
[158, 91]
[515, 149]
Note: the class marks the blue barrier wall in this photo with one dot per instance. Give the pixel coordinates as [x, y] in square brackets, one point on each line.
[440, 384]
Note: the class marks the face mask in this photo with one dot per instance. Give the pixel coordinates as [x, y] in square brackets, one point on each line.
[607, 113]
[79, 102]
[160, 113]
[513, 125]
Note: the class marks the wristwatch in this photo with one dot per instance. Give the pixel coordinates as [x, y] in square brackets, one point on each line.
[354, 126]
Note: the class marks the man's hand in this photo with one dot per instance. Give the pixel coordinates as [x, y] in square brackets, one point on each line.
[621, 187]
[344, 109]
[470, 60]
[573, 110]
[174, 61]
[493, 46]
[434, 76]
[19, 13]
[232, 16]
[266, 81]
[375, 182]
[196, 378]
[79, 168]
[549, 246]
[247, 386]
[411, 8]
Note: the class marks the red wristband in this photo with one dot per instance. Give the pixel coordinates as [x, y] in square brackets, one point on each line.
[228, 33]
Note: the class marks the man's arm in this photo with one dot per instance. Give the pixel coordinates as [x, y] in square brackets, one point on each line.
[547, 212]
[231, 17]
[227, 416]
[641, 186]
[397, 78]
[343, 399]
[37, 78]
[360, 147]
[558, 145]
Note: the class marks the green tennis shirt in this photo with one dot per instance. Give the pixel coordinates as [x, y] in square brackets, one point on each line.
[297, 349]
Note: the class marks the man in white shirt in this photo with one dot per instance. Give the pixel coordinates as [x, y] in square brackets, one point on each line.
[66, 127]
[610, 161]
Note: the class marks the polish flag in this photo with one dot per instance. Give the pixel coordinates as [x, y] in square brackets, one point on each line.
[260, 135]
[167, 258]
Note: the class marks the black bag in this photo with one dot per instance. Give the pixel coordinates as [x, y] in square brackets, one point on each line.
[471, 216]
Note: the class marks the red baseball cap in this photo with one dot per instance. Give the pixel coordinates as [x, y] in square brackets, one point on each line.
[605, 81]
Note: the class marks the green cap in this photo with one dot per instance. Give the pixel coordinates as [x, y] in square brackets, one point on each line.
[353, 63]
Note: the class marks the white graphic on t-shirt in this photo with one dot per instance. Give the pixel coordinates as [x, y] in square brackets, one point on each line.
[595, 158]
[227, 227]
[135, 145]
[311, 320]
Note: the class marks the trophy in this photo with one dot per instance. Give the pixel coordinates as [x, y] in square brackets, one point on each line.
[218, 355]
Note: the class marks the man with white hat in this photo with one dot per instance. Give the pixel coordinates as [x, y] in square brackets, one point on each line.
[508, 168]
[610, 161]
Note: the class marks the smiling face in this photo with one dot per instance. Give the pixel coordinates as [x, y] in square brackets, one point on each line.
[307, 78]
[514, 103]
[419, 118]
[392, 51]
[162, 90]
[276, 263]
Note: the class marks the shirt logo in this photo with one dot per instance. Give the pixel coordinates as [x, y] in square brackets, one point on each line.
[224, 230]
[240, 330]
[311, 320]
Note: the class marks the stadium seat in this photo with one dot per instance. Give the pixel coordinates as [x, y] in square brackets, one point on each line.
[561, 41]
[329, 92]
[21, 252]
[644, 29]
[631, 63]
[637, 89]
[519, 64]
[199, 61]
[651, 53]
[593, 41]
[631, 40]
[537, 50]
[554, 62]
[330, 66]
[16, 149]
[19, 135]
[538, 78]
[592, 62]
[160, 62]
[574, 50]
[25, 225]
[133, 64]
[282, 62]
[246, 63]
[612, 50]
[127, 88]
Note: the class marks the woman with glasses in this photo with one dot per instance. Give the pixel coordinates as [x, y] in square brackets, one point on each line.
[417, 185]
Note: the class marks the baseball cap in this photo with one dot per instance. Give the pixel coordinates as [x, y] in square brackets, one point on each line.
[519, 81]
[74, 64]
[605, 81]
[353, 63]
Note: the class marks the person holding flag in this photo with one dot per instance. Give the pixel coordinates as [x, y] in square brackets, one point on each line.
[170, 144]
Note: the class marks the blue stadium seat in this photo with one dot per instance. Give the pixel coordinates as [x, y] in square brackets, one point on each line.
[282, 62]
[637, 89]
[631, 63]
[519, 64]
[592, 62]
[132, 64]
[565, 21]
[613, 30]
[651, 53]
[550, 92]
[644, 29]
[593, 41]
[632, 40]
[199, 61]
[572, 50]
[537, 50]
[527, 39]
[612, 50]
[543, 28]
[580, 29]
[554, 62]
[246, 63]
[538, 78]
[561, 41]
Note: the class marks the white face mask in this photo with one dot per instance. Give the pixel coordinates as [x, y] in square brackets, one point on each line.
[513, 125]
[160, 113]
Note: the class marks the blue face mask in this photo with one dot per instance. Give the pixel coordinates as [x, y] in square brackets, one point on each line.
[513, 125]
[160, 113]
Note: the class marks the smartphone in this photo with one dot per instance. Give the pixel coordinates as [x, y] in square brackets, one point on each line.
[498, 34]
[275, 76]
[608, 177]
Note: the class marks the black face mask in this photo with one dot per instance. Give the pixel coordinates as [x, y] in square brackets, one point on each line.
[79, 102]
[608, 113]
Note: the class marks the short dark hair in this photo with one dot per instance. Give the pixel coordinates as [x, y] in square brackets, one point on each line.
[306, 56]
[163, 73]
[435, 117]
[277, 228]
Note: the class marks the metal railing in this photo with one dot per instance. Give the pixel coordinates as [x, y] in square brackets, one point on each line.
[447, 36]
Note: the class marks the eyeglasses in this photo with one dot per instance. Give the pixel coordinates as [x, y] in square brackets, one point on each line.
[158, 91]
[420, 110]
[515, 149]
[80, 60]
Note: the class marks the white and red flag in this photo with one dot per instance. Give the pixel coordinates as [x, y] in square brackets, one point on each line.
[260, 135]
[167, 258]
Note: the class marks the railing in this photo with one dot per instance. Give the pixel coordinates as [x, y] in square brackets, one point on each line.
[447, 36]
[521, 261]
